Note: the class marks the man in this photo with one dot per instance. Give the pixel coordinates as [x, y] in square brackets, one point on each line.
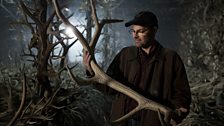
[150, 69]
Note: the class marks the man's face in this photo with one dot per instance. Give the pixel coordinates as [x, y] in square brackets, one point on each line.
[143, 36]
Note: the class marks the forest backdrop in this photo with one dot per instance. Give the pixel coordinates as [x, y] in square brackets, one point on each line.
[194, 28]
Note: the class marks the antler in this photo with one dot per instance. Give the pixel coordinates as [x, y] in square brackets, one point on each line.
[102, 78]
[18, 113]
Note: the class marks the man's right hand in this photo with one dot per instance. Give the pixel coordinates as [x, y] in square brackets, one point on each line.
[86, 62]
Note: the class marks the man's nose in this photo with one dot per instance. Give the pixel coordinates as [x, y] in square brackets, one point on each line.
[135, 34]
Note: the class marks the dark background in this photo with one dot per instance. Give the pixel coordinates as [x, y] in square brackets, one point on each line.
[167, 11]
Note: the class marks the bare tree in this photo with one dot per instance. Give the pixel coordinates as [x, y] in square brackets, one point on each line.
[2, 5]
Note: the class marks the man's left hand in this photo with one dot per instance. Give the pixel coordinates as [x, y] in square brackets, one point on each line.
[178, 112]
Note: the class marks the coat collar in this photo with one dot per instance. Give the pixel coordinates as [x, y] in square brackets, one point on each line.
[133, 55]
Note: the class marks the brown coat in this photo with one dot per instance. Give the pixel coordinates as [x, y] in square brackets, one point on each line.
[165, 81]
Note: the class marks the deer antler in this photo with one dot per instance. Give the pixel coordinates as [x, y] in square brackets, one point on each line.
[102, 78]
[18, 113]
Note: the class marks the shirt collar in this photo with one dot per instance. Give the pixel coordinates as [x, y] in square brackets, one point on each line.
[135, 52]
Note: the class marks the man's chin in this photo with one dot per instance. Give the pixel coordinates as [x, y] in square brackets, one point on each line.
[138, 45]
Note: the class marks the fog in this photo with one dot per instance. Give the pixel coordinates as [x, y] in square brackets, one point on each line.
[168, 13]
[194, 28]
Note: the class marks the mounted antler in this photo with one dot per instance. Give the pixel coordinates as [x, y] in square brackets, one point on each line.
[102, 78]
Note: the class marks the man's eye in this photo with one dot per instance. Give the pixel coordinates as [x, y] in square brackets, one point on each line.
[137, 31]
[131, 31]
[141, 31]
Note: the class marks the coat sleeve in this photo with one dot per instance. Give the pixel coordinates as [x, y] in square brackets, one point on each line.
[181, 94]
[114, 72]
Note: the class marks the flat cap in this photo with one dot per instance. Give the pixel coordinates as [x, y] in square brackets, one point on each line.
[143, 18]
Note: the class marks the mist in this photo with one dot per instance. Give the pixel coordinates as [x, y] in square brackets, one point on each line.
[168, 13]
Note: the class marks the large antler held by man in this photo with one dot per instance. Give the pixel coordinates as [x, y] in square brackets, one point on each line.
[101, 77]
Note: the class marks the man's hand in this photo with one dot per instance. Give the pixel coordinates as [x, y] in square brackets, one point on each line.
[86, 62]
[178, 113]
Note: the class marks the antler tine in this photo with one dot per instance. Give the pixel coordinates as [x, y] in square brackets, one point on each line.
[98, 26]
[74, 29]
[125, 117]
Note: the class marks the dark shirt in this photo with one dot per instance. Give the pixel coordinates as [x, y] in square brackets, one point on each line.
[140, 79]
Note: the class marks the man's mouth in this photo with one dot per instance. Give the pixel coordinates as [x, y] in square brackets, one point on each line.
[137, 41]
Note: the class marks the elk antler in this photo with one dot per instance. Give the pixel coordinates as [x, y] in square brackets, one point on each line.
[102, 78]
[18, 113]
